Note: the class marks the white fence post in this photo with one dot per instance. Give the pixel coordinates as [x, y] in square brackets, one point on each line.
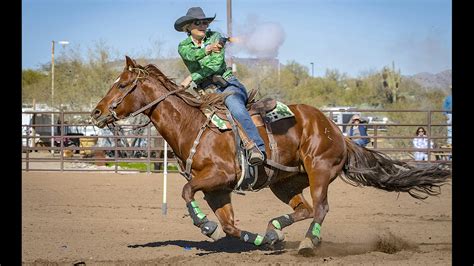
[164, 207]
[52, 132]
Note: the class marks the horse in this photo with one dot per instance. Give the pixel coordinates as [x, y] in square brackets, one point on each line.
[310, 141]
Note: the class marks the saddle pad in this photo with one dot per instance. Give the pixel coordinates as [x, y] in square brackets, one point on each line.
[218, 122]
[279, 112]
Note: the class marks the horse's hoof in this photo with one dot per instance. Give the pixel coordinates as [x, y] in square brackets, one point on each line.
[218, 233]
[280, 234]
[306, 248]
[208, 228]
[272, 236]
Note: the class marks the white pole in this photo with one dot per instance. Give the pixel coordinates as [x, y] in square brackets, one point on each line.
[278, 61]
[52, 91]
[52, 97]
[164, 207]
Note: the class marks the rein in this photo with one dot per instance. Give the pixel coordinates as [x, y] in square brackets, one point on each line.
[156, 101]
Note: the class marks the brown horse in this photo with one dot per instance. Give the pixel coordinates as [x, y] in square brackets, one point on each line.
[310, 141]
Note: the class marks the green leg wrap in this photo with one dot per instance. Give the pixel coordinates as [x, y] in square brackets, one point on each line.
[314, 232]
[196, 214]
[282, 221]
[248, 237]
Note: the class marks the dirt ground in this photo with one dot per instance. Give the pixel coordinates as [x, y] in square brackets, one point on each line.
[106, 218]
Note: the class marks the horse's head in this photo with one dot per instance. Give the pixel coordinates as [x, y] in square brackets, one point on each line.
[123, 98]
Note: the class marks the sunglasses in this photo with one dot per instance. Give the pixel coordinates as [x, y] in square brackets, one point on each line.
[199, 22]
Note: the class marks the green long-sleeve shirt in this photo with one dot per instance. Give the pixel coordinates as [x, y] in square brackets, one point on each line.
[198, 63]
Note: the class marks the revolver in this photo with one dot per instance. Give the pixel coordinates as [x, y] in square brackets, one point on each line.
[223, 40]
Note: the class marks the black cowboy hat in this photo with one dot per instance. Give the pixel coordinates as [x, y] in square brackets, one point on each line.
[194, 13]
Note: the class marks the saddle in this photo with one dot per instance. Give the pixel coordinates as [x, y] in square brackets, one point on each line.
[263, 113]
[260, 112]
[265, 105]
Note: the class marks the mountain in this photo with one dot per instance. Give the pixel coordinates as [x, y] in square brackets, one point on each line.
[441, 80]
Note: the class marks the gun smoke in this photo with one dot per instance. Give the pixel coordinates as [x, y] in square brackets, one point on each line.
[262, 40]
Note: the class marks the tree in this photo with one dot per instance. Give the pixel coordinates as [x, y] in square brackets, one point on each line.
[34, 85]
[391, 83]
[293, 74]
[81, 82]
[30, 76]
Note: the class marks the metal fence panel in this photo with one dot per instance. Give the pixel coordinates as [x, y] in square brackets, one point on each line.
[70, 142]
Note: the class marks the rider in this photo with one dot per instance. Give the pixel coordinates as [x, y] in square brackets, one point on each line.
[204, 57]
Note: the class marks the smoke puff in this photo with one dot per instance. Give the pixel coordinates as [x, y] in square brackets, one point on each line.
[261, 39]
[265, 40]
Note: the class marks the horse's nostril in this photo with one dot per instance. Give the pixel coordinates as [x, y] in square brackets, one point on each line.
[96, 113]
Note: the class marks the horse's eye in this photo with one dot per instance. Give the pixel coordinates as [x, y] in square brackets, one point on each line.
[122, 85]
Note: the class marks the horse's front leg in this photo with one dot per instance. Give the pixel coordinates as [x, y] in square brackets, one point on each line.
[220, 203]
[208, 228]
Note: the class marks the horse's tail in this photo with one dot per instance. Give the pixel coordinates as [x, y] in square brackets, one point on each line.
[365, 167]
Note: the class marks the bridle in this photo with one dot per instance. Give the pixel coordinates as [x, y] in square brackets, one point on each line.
[130, 88]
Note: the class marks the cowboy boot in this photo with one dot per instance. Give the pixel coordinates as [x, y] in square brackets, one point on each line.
[255, 156]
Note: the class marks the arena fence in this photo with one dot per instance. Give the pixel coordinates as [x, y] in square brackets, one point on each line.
[68, 141]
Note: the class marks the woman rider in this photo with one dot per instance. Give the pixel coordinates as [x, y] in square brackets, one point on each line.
[204, 57]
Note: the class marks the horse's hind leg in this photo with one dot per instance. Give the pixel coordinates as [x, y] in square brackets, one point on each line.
[319, 176]
[290, 192]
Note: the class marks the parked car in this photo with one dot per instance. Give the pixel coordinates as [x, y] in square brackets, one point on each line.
[342, 115]
[380, 121]
[40, 123]
[73, 136]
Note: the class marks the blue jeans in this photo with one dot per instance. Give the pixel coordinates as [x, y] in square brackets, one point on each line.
[421, 156]
[236, 105]
[360, 142]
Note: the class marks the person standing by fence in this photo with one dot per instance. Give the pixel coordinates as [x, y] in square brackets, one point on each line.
[356, 130]
[421, 142]
[447, 106]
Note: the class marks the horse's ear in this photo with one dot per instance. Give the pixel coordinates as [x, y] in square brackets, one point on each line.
[130, 63]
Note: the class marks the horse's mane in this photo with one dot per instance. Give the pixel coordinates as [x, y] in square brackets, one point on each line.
[214, 100]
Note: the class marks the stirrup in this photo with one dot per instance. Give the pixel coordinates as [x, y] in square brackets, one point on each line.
[255, 157]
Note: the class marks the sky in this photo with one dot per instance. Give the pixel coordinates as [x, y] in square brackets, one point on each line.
[352, 36]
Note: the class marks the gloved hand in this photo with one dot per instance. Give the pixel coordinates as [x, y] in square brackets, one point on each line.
[186, 82]
[215, 47]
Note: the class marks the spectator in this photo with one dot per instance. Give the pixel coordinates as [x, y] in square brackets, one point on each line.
[356, 130]
[447, 106]
[421, 142]
[33, 141]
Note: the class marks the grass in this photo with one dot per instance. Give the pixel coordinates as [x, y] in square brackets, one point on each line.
[140, 166]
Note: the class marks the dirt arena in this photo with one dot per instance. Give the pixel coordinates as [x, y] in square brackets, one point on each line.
[103, 218]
